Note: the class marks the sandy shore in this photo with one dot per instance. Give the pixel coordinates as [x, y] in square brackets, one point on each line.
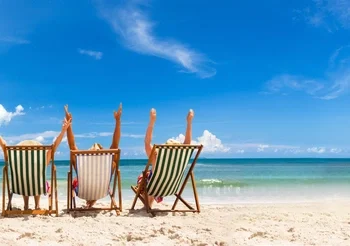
[326, 223]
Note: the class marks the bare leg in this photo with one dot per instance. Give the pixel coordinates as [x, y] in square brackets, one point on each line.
[26, 202]
[37, 202]
[90, 203]
[150, 201]
[116, 134]
[188, 137]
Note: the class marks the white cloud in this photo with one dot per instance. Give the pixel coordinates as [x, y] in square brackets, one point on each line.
[329, 14]
[5, 116]
[36, 136]
[335, 83]
[40, 139]
[106, 134]
[95, 54]
[211, 144]
[133, 135]
[319, 150]
[136, 31]
[41, 107]
[13, 40]
[240, 151]
[262, 147]
[43, 136]
[336, 150]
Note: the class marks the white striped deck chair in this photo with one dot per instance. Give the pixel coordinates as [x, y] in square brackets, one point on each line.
[95, 170]
[170, 176]
[27, 166]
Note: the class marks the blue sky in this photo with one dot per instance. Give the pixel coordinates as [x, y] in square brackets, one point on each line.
[265, 78]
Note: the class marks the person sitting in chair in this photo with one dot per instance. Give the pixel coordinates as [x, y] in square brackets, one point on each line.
[66, 124]
[95, 146]
[148, 147]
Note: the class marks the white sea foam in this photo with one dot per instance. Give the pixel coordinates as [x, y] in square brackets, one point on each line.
[211, 181]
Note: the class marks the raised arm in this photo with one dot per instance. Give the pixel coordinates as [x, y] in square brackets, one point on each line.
[149, 131]
[116, 135]
[188, 137]
[58, 140]
[3, 146]
[70, 135]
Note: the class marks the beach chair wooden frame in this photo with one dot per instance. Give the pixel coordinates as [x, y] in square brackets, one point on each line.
[169, 176]
[27, 164]
[115, 175]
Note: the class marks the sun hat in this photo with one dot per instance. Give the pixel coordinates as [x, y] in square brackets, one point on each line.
[29, 142]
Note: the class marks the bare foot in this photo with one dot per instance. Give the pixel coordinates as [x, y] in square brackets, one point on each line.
[90, 203]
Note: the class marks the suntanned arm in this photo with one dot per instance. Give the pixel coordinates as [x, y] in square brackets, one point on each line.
[116, 135]
[188, 137]
[3, 146]
[149, 131]
[58, 140]
[70, 135]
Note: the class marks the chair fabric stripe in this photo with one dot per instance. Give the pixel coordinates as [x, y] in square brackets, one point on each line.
[169, 171]
[94, 173]
[28, 171]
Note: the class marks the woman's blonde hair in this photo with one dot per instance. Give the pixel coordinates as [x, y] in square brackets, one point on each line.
[96, 146]
[172, 141]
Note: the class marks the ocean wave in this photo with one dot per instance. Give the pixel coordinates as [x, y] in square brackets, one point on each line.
[211, 181]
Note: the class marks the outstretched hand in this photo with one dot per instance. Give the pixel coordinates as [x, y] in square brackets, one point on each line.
[190, 115]
[66, 124]
[153, 115]
[68, 115]
[118, 114]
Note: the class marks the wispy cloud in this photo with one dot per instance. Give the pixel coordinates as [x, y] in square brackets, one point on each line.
[41, 137]
[41, 107]
[336, 81]
[95, 54]
[106, 134]
[283, 150]
[329, 14]
[6, 117]
[51, 135]
[13, 40]
[318, 150]
[136, 31]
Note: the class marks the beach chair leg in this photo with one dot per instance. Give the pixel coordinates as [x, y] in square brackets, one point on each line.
[3, 190]
[195, 192]
[73, 198]
[69, 189]
[135, 200]
[56, 195]
[9, 193]
[120, 191]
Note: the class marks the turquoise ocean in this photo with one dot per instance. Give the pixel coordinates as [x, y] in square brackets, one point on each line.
[247, 180]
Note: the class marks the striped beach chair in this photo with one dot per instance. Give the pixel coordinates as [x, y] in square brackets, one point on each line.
[24, 174]
[95, 170]
[170, 176]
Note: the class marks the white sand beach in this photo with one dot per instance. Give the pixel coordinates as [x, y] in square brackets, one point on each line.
[319, 223]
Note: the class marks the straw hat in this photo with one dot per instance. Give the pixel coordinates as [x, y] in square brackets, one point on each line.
[29, 142]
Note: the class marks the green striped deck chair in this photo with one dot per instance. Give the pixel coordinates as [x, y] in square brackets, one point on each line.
[95, 170]
[172, 170]
[24, 174]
